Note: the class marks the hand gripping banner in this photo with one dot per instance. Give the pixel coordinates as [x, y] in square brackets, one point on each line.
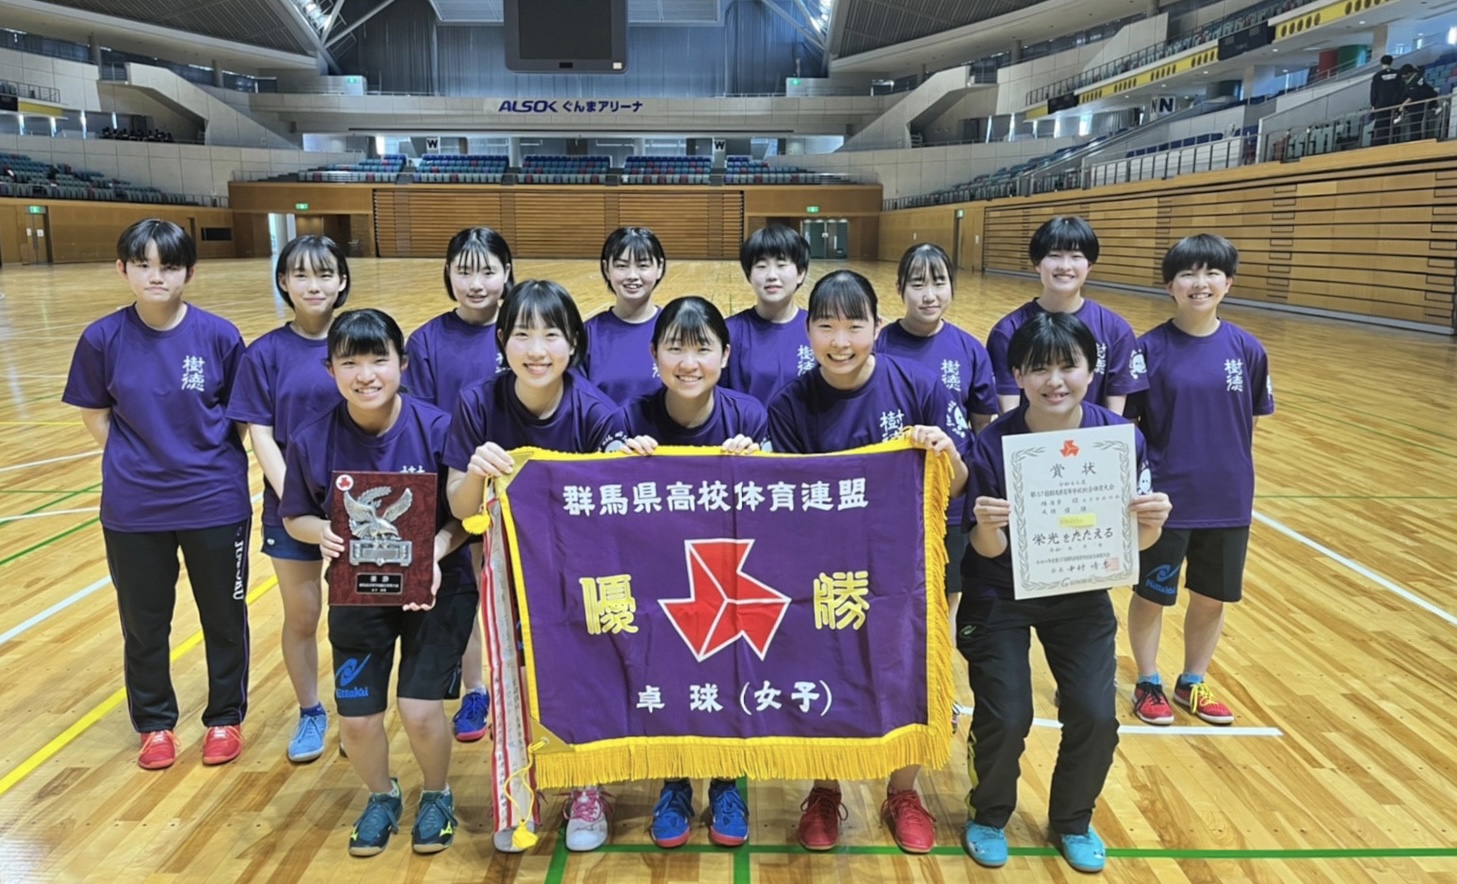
[697, 614]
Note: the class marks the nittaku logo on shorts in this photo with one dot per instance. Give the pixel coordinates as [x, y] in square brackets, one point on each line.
[1162, 579]
[351, 693]
[346, 674]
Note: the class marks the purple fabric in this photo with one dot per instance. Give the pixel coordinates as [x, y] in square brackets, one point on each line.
[809, 416]
[282, 383]
[734, 414]
[958, 359]
[764, 355]
[619, 358]
[584, 421]
[1120, 370]
[448, 354]
[334, 441]
[692, 626]
[984, 578]
[1198, 415]
[173, 460]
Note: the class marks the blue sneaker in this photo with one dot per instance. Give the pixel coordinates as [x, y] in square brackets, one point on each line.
[381, 819]
[728, 815]
[435, 822]
[308, 739]
[673, 814]
[1083, 852]
[470, 721]
[987, 845]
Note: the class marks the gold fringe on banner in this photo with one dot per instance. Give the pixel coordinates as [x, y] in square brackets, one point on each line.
[560, 765]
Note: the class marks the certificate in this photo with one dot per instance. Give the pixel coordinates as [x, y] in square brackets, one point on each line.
[1070, 529]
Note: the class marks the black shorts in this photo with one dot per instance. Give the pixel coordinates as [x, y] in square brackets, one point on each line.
[1216, 559]
[431, 642]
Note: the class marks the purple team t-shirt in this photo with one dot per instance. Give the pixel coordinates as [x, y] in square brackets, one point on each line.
[951, 354]
[619, 359]
[1120, 370]
[283, 384]
[333, 441]
[983, 578]
[764, 355]
[173, 461]
[584, 421]
[808, 416]
[1198, 415]
[448, 354]
[734, 414]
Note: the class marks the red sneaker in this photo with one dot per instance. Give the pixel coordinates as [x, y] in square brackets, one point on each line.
[1199, 700]
[1150, 704]
[222, 744]
[159, 750]
[819, 825]
[913, 828]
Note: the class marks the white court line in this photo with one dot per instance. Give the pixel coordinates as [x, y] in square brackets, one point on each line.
[41, 463]
[1359, 569]
[53, 610]
[67, 602]
[1159, 730]
[89, 509]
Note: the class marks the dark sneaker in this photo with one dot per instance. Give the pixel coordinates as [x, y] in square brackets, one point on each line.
[673, 814]
[435, 822]
[380, 820]
[728, 815]
[470, 722]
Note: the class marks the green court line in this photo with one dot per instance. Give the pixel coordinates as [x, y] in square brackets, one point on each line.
[66, 495]
[1355, 497]
[558, 867]
[1375, 432]
[49, 540]
[1124, 852]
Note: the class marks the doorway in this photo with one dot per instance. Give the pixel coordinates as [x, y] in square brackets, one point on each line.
[829, 238]
[35, 245]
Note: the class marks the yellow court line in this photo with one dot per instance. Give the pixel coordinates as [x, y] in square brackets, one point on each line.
[69, 735]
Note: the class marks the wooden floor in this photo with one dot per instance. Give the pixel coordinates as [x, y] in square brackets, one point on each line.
[1341, 664]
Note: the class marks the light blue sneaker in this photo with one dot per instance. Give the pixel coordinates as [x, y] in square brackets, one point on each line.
[987, 845]
[308, 739]
[1083, 852]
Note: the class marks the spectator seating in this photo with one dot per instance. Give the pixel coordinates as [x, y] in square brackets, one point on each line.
[744, 170]
[383, 170]
[461, 169]
[31, 179]
[667, 170]
[555, 169]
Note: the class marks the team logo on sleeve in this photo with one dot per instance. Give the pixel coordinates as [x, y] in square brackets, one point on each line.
[1145, 481]
[956, 420]
[1136, 365]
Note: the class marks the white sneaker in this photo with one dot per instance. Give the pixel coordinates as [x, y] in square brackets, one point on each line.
[586, 819]
[502, 840]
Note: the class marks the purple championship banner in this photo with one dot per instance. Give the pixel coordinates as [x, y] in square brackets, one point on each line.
[697, 614]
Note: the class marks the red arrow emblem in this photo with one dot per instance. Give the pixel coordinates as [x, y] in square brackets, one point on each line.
[1069, 449]
[724, 603]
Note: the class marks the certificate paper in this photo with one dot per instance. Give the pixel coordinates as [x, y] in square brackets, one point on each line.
[1071, 530]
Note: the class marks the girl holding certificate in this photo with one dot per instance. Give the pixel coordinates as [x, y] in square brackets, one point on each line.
[1051, 357]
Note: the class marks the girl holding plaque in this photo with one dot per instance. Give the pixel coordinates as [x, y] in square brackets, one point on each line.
[1052, 357]
[153, 382]
[691, 349]
[377, 429]
[283, 383]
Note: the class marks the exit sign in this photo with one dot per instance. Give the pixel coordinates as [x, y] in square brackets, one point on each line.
[301, 207]
[813, 210]
[961, 213]
[35, 210]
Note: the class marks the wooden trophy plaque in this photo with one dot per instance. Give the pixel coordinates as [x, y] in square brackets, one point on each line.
[387, 521]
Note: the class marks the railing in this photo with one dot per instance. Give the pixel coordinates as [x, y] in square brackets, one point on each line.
[1416, 122]
[1231, 23]
[1224, 154]
[30, 91]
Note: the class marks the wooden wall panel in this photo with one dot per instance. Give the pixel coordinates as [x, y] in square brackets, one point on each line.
[1369, 233]
[87, 231]
[559, 224]
[416, 222]
[281, 197]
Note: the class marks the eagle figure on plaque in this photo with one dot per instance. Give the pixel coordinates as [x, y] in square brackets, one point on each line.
[374, 538]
